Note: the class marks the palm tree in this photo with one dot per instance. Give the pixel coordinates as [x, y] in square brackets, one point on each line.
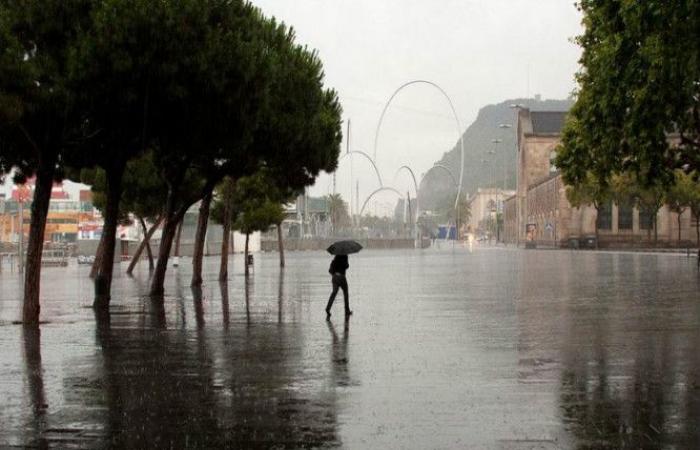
[338, 210]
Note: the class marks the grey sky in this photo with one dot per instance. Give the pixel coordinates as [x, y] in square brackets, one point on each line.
[479, 51]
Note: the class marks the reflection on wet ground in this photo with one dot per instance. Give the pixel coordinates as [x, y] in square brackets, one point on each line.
[501, 349]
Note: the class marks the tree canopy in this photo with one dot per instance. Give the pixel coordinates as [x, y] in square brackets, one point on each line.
[638, 99]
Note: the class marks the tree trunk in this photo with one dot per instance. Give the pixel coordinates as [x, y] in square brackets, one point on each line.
[173, 217]
[177, 239]
[147, 240]
[109, 232]
[223, 267]
[35, 246]
[679, 228]
[98, 257]
[166, 242]
[199, 238]
[656, 228]
[144, 244]
[247, 235]
[280, 244]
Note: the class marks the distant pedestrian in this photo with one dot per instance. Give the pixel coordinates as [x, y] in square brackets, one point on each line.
[337, 270]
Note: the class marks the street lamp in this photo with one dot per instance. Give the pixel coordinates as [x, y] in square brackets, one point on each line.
[518, 222]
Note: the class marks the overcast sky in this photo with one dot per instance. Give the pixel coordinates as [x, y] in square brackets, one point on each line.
[478, 51]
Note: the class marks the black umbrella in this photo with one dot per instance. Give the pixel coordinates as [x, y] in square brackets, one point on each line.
[344, 247]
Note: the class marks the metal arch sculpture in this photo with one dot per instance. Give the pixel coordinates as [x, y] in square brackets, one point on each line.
[457, 186]
[358, 152]
[446, 169]
[413, 176]
[381, 189]
[415, 185]
[415, 182]
[454, 113]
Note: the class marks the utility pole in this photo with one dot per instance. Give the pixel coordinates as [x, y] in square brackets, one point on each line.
[410, 213]
[357, 198]
[347, 150]
[352, 161]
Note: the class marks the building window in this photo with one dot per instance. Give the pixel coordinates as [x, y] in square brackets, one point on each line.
[624, 216]
[646, 220]
[604, 219]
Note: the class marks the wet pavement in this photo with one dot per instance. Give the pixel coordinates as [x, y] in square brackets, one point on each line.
[502, 349]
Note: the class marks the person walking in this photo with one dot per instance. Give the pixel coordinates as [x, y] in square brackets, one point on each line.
[337, 270]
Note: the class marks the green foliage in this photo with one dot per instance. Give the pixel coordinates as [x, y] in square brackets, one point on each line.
[589, 191]
[39, 117]
[143, 194]
[339, 212]
[224, 196]
[638, 83]
[446, 207]
[682, 194]
[300, 128]
[256, 203]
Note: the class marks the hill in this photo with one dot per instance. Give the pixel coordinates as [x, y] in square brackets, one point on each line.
[477, 144]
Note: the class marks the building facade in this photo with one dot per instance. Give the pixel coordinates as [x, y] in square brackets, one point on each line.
[484, 205]
[540, 214]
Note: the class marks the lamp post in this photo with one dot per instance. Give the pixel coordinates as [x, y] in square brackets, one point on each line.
[517, 107]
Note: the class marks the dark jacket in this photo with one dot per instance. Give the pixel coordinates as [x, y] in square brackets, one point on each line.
[339, 265]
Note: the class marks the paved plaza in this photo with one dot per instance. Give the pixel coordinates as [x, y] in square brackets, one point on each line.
[500, 348]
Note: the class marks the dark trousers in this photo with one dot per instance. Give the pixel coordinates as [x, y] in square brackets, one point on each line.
[339, 282]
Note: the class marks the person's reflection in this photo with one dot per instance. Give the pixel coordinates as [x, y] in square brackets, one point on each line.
[339, 355]
[31, 337]
[223, 286]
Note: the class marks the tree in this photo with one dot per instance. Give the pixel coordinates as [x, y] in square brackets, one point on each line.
[120, 58]
[649, 198]
[637, 85]
[39, 119]
[211, 94]
[223, 212]
[590, 191]
[680, 196]
[694, 205]
[256, 210]
[199, 238]
[143, 194]
[338, 210]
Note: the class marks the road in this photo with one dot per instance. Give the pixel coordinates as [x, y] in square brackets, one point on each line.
[500, 348]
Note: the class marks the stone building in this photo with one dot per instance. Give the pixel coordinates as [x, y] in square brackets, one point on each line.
[540, 213]
[485, 203]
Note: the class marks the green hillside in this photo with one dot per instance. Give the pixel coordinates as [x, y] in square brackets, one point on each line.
[477, 143]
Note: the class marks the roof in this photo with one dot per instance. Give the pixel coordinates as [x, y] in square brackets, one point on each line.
[317, 204]
[544, 122]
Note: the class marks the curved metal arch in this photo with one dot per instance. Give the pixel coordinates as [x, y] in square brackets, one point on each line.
[454, 113]
[413, 175]
[415, 184]
[358, 152]
[381, 189]
[446, 169]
